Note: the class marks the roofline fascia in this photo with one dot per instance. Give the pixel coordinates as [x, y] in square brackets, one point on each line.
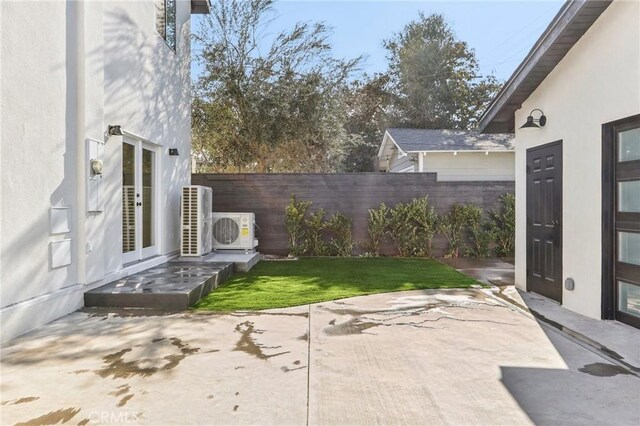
[573, 6]
[384, 140]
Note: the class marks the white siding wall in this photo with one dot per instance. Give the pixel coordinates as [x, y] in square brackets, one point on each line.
[123, 73]
[400, 165]
[598, 81]
[471, 165]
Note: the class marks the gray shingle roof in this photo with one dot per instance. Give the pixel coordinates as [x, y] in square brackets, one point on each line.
[411, 140]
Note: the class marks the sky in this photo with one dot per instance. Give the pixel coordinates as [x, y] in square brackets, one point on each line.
[501, 31]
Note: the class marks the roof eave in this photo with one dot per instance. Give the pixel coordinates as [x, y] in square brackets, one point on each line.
[503, 104]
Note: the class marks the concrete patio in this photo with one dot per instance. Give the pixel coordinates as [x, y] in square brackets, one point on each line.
[418, 357]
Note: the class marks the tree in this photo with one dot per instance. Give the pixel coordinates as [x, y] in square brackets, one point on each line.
[271, 109]
[434, 77]
[367, 103]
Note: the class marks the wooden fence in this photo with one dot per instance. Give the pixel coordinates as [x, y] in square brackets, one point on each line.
[353, 194]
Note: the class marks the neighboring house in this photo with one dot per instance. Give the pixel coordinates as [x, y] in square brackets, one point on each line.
[84, 203]
[452, 154]
[578, 176]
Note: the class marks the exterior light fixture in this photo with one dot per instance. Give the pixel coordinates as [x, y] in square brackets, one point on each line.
[531, 122]
[173, 151]
[114, 130]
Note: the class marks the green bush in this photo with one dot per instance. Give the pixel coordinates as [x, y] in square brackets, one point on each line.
[411, 227]
[454, 224]
[308, 232]
[315, 245]
[340, 226]
[294, 221]
[503, 226]
[377, 227]
[427, 221]
[480, 234]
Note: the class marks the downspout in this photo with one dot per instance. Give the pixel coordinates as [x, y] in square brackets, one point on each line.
[81, 172]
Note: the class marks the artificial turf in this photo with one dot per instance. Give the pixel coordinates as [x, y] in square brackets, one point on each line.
[284, 283]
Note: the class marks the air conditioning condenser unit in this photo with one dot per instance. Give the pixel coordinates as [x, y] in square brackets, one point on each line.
[195, 220]
[234, 231]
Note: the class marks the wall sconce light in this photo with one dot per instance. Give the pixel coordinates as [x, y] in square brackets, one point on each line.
[173, 151]
[114, 130]
[96, 167]
[531, 122]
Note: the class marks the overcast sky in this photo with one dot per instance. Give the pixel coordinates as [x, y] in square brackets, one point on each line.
[501, 32]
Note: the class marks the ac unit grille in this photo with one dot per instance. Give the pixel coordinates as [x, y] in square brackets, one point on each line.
[196, 209]
[226, 231]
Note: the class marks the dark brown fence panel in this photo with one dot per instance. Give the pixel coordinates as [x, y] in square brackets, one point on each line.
[353, 194]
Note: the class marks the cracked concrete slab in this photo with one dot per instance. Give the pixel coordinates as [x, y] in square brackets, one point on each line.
[182, 368]
[418, 357]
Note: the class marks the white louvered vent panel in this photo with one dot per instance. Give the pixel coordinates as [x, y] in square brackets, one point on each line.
[195, 221]
[128, 218]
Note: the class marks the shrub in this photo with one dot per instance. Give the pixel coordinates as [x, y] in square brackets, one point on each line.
[453, 225]
[307, 233]
[427, 221]
[480, 234]
[340, 226]
[377, 227]
[294, 221]
[411, 227]
[503, 226]
[315, 245]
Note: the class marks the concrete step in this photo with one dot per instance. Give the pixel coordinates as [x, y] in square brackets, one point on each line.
[242, 262]
[174, 285]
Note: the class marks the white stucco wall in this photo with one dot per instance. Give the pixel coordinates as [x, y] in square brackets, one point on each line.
[471, 165]
[120, 71]
[597, 82]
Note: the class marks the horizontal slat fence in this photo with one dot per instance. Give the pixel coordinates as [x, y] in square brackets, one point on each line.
[353, 194]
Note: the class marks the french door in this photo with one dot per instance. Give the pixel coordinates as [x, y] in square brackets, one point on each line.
[139, 200]
[621, 195]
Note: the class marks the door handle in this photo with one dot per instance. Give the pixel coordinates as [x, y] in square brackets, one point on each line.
[556, 223]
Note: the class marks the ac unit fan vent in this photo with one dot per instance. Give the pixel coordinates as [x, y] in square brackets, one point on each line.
[226, 231]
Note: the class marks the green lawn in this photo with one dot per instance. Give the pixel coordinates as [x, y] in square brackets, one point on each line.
[279, 284]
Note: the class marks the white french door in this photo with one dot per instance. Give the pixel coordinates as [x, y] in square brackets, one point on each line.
[140, 213]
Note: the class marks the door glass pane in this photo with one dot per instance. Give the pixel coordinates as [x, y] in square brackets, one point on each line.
[629, 247]
[147, 198]
[128, 198]
[629, 145]
[629, 196]
[629, 298]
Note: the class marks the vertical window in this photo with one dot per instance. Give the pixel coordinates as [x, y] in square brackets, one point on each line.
[166, 21]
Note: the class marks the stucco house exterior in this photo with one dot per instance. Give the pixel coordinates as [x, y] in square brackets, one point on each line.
[95, 147]
[578, 168]
[454, 155]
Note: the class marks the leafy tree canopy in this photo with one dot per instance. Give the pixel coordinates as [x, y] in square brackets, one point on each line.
[292, 106]
[434, 77]
[266, 109]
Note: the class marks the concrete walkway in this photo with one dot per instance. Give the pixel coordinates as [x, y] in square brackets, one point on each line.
[618, 341]
[418, 357]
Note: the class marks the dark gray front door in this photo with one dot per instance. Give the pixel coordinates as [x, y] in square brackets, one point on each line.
[544, 215]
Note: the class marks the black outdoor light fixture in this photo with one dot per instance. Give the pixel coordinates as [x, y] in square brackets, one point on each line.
[531, 122]
[173, 151]
[114, 130]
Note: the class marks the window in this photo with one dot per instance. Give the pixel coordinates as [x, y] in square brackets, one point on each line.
[166, 21]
